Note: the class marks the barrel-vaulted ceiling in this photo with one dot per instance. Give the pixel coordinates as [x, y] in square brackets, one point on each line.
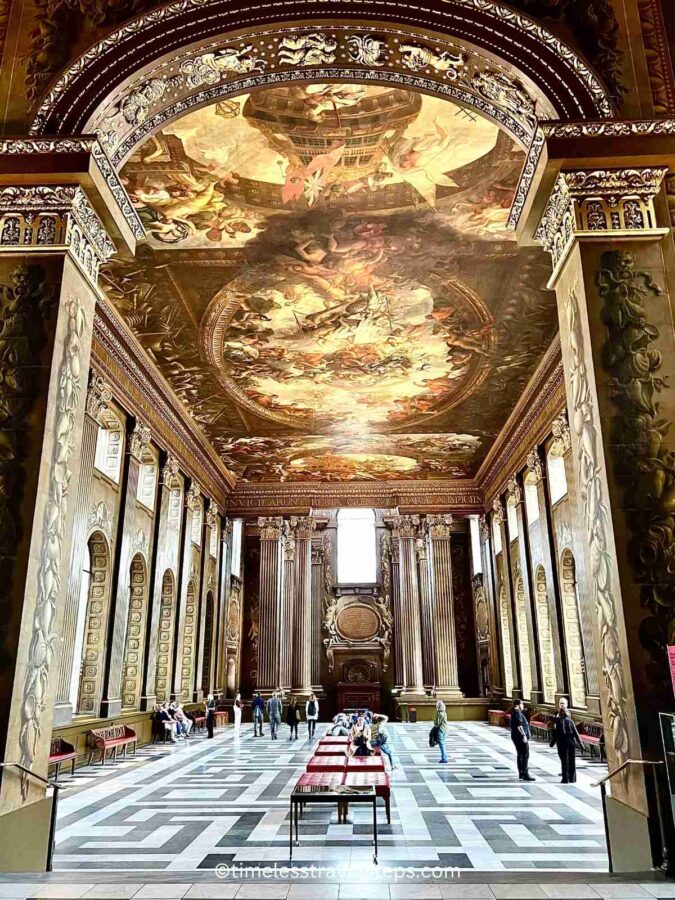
[328, 283]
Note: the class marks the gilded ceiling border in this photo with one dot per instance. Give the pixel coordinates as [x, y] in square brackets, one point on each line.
[411, 496]
[529, 423]
[138, 386]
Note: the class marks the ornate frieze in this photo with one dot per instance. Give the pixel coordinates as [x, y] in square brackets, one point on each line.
[36, 216]
[609, 128]
[44, 638]
[597, 201]
[99, 396]
[562, 439]
[271, 527]
[139, 441]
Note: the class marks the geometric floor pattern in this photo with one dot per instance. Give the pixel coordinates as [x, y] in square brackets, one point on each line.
[201, 804]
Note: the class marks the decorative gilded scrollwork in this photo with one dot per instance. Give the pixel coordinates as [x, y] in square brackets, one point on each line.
[562, 439]
[99, 397]
[139, 441]
[498, 513]
[644, 463]
[44, 639]
[535, 469]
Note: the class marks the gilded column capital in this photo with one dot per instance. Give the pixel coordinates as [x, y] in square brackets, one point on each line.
[588, 202]
[484, 527]
[535, 470]
[212, 515]
[271, 527]
[34, 217]
[404, 526]
[303, 527]
[439, 526]
[139, 441]
[498, 513]
[228, 528]
[170, 471]
[421, 549]
[192, 498]
[562, 439]
[99, 396]
[514, 495]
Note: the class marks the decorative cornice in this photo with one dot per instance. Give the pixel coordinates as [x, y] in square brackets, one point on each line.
[99, 396]
[608, 128]
[56, 216]
[73, 145]
[529, 423]
[562, 440]
[139, 441]
[299, 498]
[591, 202]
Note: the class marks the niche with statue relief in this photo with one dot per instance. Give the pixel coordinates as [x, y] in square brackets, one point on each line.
[357, 619]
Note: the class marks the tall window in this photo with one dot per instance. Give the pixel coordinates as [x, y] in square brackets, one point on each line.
[476, 558]
[108, 453]
[356, 553]
[512, 518]
[237, 528]
[531, 502]
[557, 479]
[497, 536]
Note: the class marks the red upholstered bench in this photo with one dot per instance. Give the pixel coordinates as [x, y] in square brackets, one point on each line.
[327, 764]
[330, 750]
[540, 726]
[61, 751]
[592, 737]
[365, 764]
[335, 738]
[497, 717]
[379, 780]
[114, 738]
[199, 722]
[321, 779]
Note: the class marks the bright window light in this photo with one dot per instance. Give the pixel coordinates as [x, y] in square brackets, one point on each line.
[512, 520]
[531, 503]
[557, 479]
[356, 553]
[476, 558]
[497, 536]
[235, 567]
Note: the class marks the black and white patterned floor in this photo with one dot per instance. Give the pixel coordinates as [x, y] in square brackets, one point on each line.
[200, 804]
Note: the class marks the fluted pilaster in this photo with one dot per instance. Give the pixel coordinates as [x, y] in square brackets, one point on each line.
[271, 586]
[445, 642]
[406, 529]
[302, 649]
[426, 612]
[399, 668]
[321, 577]
[287, 615]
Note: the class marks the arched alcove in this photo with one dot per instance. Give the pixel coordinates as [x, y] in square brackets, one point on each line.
[545, 636]
[506, 640]
[574, 647]
[207, 658]
[134, 645]
[188, 644]
[89, 653]
[523, 638]
[167, 614]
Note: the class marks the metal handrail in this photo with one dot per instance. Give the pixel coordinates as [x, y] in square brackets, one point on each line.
[55, 803]
[624, 765]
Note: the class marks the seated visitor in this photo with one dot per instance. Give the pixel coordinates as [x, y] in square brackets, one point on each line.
[380, 737]
[166, 720]
[359, 739]
[341, 725]
[183, 724]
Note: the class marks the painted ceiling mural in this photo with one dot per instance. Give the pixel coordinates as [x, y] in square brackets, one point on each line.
[328, 283]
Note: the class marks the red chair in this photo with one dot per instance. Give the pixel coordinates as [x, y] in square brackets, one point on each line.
[327, 764]
[379, 780]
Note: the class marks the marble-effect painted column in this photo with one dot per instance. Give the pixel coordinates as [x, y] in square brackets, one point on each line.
[321, 570]
[426, 611]
[287, 614]
[445, 642]
[271, 587]
[407, 530]
[302, 649]
[397, 611]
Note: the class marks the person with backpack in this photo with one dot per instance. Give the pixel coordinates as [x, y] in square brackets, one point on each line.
[292, 718]
[441, 726]
[312, 714]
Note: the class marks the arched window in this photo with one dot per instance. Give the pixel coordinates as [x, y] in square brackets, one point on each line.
[576, 663]
[523, 638]
[89, 651]
[356, 553]
[545, 633]
[531, 502]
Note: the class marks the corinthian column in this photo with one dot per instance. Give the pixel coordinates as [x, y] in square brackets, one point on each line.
[406, 530]
[445, 643]
[271, 585]
[302, 649]
[426, 612]
[286, 617]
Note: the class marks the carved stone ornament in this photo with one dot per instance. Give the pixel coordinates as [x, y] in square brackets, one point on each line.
[597, 517]
[212, 515]
[562, 439]
[480, 608]
[101, 518]
[193, 496]
[34, 217]
[484, 527]
[44, 639]
[498, 513]
[585, 202]
[644, 461]
[170, 471]
[99, 396]
[289, 541]
[139, 441]
[270, 527]
[421, 550]
[439, 526]
[139, 543]
[514, 494]
[535, 470]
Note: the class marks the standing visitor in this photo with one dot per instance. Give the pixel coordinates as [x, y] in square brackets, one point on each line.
[520, 735]
[210, 707]
[441, 724]
[566, 737]
[274, 714]
[292, 718]
[258, 712]
[237, 714]
[381, 738]
[312, 714]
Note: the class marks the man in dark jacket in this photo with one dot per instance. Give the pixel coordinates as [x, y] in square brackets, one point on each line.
[520, 735]
[566, 737]
[258, 710]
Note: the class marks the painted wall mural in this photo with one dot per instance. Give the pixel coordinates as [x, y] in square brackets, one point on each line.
[328, 282]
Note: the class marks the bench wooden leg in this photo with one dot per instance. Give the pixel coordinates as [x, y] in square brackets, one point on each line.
[125, 751]
[72, 770]
[91, 756]
[387, 803]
